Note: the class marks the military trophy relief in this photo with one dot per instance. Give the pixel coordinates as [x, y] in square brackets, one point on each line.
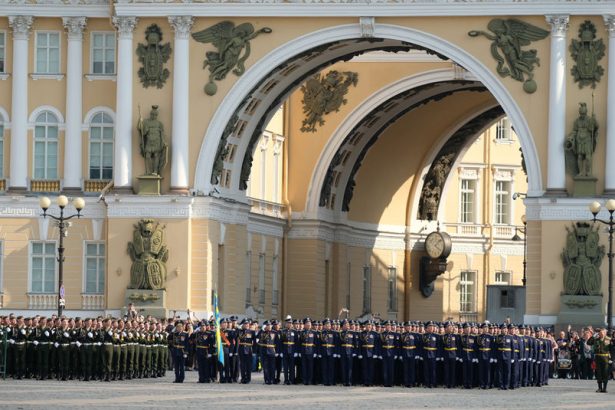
[154, 150]
[324, 94]
[581, 299]
[587, 52]
[433, 186]
[438, 246]
[148, 272]
[508, 37]
[580, 145]
[232, 50]
[153, 55]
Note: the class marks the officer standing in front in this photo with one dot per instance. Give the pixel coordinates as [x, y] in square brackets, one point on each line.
[179, 347]
[602, 345]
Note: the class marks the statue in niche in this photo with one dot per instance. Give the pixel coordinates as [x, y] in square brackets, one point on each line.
[323, 95]
[581, 144]
[508, 36]
[153, 55]
[587, 52]
[231, 41]
[149, 255]
[152, 143]
[582, 257]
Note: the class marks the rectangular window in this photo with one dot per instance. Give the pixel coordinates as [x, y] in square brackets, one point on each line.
[367, 289]
[47, 57]
[43, 267]
[502, 277]
[2, 51]
[502, 130]
[102, 53]
[466, 292]
[248, 278]
[502, 202]
[261, 279]
[392, 288]
[467, 201]
[275, 295]
[94, 267]
[507, 299]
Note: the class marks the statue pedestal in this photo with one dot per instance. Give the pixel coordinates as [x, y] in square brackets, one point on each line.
[149, 184]
[584, 186]
[148, 301]
[580, 310]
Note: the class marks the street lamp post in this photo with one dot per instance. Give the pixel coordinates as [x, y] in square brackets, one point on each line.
[62, 201]
[517, 238]
[594, 208]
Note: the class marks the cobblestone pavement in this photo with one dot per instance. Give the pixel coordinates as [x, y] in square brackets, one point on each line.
[162, 394]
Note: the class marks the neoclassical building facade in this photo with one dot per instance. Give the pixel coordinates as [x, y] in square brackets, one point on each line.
[312, 147]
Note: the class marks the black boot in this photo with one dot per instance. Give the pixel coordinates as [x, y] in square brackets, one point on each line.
[604, 386]
[599, 387]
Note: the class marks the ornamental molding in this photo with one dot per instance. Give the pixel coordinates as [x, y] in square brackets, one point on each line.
[609, 22]
[181, 26]
[21, 26]
[74, 27]
[559, 24]
[368, 26]
[28, 207]
[56, 8]
[468, 173]
[412, 56]
[561, 209]
[262, 225]
[125, 26]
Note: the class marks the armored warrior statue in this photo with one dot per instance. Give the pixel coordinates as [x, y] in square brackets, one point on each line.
[152, 143]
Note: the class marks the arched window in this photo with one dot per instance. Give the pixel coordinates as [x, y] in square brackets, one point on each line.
[46, 146]
[101, 147]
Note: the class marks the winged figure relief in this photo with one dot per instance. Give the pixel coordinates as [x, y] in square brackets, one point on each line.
[233, 49]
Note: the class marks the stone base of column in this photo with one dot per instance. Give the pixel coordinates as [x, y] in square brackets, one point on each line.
[179, 190]
[559, 192]
[123, 190]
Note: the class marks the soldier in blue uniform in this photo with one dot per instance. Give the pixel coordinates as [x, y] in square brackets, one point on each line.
[468, 346]
[505, 351]
[388, 346]
[347, 345]
[308, 351]
[450, 346]
[268, 344]
[202, 345]
[288, 340]
[485, 354]
[179, 347]
[408, 352]
[246, 344]
[369, 349]
[328, 347]
[430, 347]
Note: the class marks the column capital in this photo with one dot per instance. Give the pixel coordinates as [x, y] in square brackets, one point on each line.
[74, 27]
[609, 22]
[559, 24]
[21, 26]
[125, 26]
[181, 25]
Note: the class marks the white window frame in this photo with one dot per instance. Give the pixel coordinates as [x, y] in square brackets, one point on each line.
[101, 142]
[48, 32]
[104, 34]
[462, 191]
[503, 131]
[85, 266]
[503, 272]
[463, 285]
[55, 256]
[46, 140]
[470, 172]
[367, 289]
[505, 194]
[3, 48]
[392, 288]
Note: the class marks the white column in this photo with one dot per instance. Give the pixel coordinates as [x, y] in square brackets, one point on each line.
[609, 179]
[19, 105]
[556, 164]
[122, 161]
[179, 133]
[74, 77]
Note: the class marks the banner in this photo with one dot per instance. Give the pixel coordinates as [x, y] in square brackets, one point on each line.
[218, 337]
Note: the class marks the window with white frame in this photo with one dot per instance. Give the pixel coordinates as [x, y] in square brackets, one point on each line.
[102, 54]
[502, 130]
[2, 51]
[467, 291]
[467, 203]
[502, 277]
[502, 202]
[248, 278]
[101, 147]
[392, 288]
[261, 279]
[367, 289]
[1, 146]
[47, 58]
[46, 146]
[94, 268]
[43, 267]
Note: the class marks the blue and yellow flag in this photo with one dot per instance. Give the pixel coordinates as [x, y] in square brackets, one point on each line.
[218, 336]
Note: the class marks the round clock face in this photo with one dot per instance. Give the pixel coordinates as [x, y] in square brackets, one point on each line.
[435, 245]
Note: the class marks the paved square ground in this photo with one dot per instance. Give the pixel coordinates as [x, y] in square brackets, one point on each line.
[162, 394]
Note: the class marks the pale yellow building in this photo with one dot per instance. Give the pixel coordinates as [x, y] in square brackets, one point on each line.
[291, 221]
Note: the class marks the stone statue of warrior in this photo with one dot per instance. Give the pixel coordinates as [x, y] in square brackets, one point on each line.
[582, 141]
[149, 255]
[152, 143]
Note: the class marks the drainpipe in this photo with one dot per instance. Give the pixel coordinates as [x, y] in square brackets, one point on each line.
[287, 205]
[487, 183]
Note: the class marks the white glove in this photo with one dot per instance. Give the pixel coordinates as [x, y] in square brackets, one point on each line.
[395, 357]
[110, 333]
[230, 354]
[46, 333]
[36, 343]
[23, 331]
[417, 358]
[185, 356]
[208, 356]
[277, 355]
[360, 357]
[512, 361]
[296, 355]
[11, 341]
[65, 334]
[90, 335]
[56, 344]
[281, 354]
[314, 354]
[78, 344]
[354, 355]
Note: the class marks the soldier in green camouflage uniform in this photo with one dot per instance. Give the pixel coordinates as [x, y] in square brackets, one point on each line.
[130, 350]
[602, 346]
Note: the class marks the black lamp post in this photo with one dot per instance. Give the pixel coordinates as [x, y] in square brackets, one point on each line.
[594, 208]
[62, 201]
[517, 238]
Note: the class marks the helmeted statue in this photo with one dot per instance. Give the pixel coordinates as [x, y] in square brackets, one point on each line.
[582, 257]
[152, 143]
[149, 255]
[581, 143]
